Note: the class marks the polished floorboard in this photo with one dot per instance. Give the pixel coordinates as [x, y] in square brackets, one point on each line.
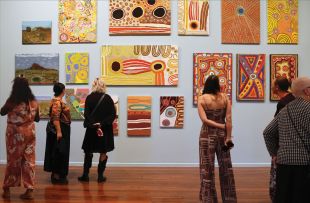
[141, 185]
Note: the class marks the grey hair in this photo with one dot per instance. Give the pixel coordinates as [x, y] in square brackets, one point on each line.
[99, 85]
[299, 85]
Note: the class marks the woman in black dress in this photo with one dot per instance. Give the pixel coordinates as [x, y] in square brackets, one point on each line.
[99, 115]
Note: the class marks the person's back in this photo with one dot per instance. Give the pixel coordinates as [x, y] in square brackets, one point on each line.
[215, 106]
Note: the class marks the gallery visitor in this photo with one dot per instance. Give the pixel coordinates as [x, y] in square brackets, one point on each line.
[99, 115]
[214, 109]
[57, 147]
[22, 110]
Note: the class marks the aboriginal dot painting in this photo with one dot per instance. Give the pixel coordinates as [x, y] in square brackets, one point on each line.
[171, 111]
[77, 67]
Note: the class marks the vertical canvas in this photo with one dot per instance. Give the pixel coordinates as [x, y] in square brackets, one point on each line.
[240, 21]
[282, 21]
[285, 65]
[75, 99]
[140, 65]
[39, 69]
[193, 17]
[147, 17]
[171, 111]
[139, 116]
[116, 122]
[206, 64]
[77, 21]
[44, 106]
[36, 32]
[251, 77]
[77, 66]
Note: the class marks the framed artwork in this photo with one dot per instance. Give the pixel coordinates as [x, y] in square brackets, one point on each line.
[206, 64]
[171, 111]
[77, 21]
[132, 17]
[240, 21]
[44, 106]
[39, 69]
[193, 17]
[251, 77]
[285, 65]
[116, 122]
[77, 67]
[37, 32]
[142, 65]
[282, 21]
[75, 99]
[139, 116]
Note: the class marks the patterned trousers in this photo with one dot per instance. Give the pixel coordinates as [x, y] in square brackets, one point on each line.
[20, 159]
[211, 141]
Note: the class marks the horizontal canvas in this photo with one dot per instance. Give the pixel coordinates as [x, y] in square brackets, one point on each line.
[171, 111]
[77, 21]
[143, 65]
[251, 77]
[75, 99]
[206, 64]
[38, 69]
[282, 21]
[44, 106]
[193, 17]
[139, 116]
[147, 17]
[240, 21]
[77, 68]
[285, 65]
[36, 32]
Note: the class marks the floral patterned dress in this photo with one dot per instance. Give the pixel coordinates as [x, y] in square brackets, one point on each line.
[20, 144]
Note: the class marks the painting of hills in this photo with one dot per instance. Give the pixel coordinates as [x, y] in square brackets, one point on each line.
[36, 32]
[39, 69]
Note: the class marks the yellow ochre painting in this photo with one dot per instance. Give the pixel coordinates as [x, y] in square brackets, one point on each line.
[77, 21]
[77, 68]
[144, 65]
[282, 21]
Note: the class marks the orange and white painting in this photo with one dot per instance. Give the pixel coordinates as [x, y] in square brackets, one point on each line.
[282, 21]
[193, 17]
[77, 21]
[139, 116]
[140, 17]
[149, 65]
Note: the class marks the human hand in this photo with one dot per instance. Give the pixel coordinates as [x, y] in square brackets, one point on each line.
[99, 132]
[274, 160]
[59, 135]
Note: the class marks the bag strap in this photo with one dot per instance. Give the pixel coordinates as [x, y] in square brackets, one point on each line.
[299, 135]
[97, 105]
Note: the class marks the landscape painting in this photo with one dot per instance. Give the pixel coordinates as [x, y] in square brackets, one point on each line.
[39, 69]
[139, 116]
[44, 106]
[75, 99]
[142, 65]
[171, 111]
[77, 66]
[36, 32]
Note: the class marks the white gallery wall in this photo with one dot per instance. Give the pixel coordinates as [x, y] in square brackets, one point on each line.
[165, 147]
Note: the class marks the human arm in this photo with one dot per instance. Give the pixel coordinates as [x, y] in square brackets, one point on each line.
[6, 108]
[55, 117]
[110, 111]
[204, 118]
[228, 117]
[271, 137]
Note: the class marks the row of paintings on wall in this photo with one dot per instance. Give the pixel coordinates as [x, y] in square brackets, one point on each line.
[158, 66]
[77, 20]
[138, 111]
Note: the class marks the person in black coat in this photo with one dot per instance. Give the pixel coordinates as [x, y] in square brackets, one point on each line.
[99, 115]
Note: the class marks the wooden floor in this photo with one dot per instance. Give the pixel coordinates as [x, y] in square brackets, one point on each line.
[142, 185]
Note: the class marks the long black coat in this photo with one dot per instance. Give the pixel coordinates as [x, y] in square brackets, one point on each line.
[105, 115]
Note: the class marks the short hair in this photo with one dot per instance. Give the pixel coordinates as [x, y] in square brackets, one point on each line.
[212, 85]
[99, 85]
[58, 88]
[283, 83]
[299, 85]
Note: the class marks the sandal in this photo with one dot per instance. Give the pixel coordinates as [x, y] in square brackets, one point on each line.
[28, 195]
[6, 193]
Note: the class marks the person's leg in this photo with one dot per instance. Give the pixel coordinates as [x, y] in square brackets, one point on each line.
[300, 184]
[88, 158]
[101, 167]
[283, 184]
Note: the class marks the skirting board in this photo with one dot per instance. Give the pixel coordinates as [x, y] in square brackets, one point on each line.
[115, 164]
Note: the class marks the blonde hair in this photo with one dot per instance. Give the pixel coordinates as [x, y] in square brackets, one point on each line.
[98, 85]
[299, 85]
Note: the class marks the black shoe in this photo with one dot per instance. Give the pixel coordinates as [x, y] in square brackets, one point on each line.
[101, 179]
[83, 178]
[60, 181]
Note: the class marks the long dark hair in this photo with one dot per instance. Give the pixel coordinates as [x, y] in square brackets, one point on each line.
[212, 85]
[21, 92]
